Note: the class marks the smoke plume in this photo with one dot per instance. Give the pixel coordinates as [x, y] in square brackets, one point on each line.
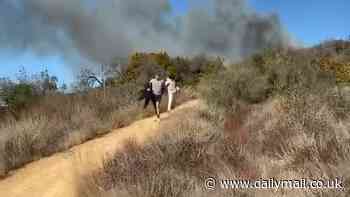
[99, 31]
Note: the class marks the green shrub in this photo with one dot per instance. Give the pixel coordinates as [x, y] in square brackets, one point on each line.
[270, 73]
[142, 66]
[19, 97]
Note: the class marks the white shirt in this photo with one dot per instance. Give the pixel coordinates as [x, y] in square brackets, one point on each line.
[171, 86]
[156, 86]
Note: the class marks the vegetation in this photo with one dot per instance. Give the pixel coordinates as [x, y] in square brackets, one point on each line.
[44, 120]
[192, 147]
[334, 56]
[186, 71]
[282, 113]
[20, 96]
[277, 114]
[264, 76]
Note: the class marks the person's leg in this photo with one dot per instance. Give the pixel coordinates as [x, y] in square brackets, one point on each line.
[170, 100]
[153, 99]
[157, 107]
[147, 99]
[158, 99]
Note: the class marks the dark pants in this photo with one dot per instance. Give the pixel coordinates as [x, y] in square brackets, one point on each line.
[149, 97]
[154, 98]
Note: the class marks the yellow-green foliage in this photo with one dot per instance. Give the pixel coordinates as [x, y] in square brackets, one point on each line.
[142, 66]
[270, 73]
[336, 63]
[340, 68]
[143, 62]
[135, 61]
[334, 56]
[162, 59]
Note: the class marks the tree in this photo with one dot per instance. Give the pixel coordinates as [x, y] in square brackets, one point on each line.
[5, 85]
[22, 75]
[19, 97]
[87, 79]
[63, 87]
[48, 83]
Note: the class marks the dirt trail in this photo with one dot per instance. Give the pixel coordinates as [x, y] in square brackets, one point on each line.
[57, 176]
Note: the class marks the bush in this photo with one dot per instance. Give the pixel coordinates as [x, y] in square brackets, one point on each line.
[340, 68]
[19, 97]
[142, 66]
[278, 109]
[333, 56]
[174, 164]
[56, 122]
[264, 76]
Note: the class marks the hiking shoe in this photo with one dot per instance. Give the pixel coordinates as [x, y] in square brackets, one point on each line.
[157, 120]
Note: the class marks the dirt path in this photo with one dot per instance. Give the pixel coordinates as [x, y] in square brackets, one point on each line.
[57, 176]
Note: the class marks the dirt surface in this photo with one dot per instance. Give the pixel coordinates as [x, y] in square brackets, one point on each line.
[58, 175]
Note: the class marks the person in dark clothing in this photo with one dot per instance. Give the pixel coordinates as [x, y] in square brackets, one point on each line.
[153, 91]
[148, 96]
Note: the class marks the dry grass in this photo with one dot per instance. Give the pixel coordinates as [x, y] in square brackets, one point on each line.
[277, 115]
[59, 122]
[172, 165]
[284, 138]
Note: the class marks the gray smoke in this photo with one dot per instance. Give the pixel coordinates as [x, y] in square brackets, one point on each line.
[99, 31]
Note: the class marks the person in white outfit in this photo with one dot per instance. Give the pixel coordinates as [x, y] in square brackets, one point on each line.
[171, 89]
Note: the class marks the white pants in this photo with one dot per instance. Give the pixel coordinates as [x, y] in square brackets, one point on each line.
[170, 100]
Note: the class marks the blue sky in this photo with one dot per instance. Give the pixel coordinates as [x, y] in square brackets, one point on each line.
[308, 21]
[12, 63]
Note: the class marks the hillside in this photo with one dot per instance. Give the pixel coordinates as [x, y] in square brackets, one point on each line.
[282, 113]
[59, 175]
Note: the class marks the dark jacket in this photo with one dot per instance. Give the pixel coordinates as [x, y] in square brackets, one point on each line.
[146, 92]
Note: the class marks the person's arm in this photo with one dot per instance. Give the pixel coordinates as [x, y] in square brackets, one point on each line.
[149, 85]
[167, 83]
[142, 94]
[176, 87]
[163, 87]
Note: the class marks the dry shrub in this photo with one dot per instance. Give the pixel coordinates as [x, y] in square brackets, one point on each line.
[267, 117]
[233, 126]
[325, 143]
[59, 122]
[191, 148]
[265, 75]
[176, 163]
[308, 122]
[296, 123]
[301, 137]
